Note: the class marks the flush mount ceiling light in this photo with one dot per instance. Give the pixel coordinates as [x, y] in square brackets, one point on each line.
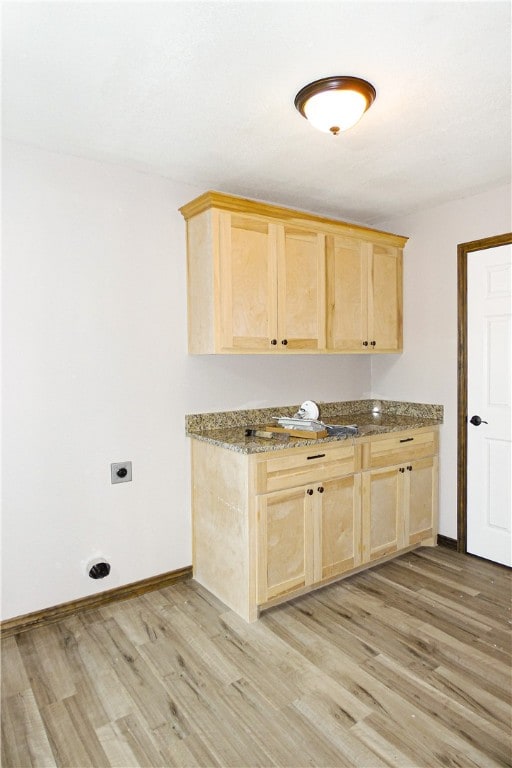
[334, 104]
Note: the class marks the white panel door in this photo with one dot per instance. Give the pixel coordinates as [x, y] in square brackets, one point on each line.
[489, 506]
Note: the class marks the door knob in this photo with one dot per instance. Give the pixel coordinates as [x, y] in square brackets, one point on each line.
[476, 421]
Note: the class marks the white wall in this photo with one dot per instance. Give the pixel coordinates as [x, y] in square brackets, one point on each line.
[427, 369]
[96, 370]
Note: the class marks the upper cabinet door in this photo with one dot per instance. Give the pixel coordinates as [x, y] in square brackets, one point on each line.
[364, 296]
[247, 296]
[347, 294]
[385, 298]
[301, 288]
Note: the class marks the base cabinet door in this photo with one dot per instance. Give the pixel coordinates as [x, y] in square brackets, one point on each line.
[340, 524]
[285, 542]
[399, 507]
[421, 500]
[382, 512]
[307, 535]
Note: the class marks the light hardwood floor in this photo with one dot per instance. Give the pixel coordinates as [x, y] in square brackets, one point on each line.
[407, 664]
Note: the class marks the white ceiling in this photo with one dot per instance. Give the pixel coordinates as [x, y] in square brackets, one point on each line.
[202, 93]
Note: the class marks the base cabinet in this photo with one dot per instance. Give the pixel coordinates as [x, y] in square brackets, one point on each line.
[382, 507]
[307, 534]
[285, 543]
[270, 526]
[399, 508]
[420, 499]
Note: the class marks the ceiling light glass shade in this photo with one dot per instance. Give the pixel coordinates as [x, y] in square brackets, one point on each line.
[335, 104]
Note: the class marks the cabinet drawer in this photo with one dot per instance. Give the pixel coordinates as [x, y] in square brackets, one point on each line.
[306, 466]
[386, 451]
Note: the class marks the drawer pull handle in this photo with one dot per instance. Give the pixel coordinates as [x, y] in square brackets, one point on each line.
[317, 456]
[407, 440]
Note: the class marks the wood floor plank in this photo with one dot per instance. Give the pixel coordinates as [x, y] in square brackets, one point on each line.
[25, 739]
[460, 720]
[67, 745]
[332, 724]
[134, 732]
[407, 665]
[116, 747]
[470, 695]
[14, 678]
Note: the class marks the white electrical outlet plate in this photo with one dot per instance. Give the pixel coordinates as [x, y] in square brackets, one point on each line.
[121, 472]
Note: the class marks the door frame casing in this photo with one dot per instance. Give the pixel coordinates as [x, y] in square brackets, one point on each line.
[463, 250]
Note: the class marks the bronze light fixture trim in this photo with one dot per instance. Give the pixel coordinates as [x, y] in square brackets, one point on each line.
[335, 104]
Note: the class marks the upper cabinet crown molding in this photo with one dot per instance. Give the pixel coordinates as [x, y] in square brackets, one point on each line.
[224, 202]
[269, 280]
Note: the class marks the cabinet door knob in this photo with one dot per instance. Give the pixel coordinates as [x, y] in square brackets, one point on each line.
[309, 491]
[273, 342]
[409, 468]
[320, 489]
[401, 469]
[365, 343]
[373, 343]
[284, 342]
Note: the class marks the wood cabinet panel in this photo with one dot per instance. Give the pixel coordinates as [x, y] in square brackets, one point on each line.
[422, 500]
[301, 466]
[347, 294]
[382, 505]
[340, 526]
[301, 286]
[364, 296]
[247, 278]
[307, 534]
[285, 543]
[400, 502]
[387, 450]
[385, 298]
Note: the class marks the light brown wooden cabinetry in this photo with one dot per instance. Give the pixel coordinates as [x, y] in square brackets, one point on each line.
[399, 492]
[271, 525]
[310, 532]
[364, 296]
[271, 285]
[265, 279]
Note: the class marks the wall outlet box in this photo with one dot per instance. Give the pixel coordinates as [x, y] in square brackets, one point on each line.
[121, 472]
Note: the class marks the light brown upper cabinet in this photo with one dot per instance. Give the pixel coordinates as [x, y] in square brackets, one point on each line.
[265, 279]
[271, 285]
[364, 296]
